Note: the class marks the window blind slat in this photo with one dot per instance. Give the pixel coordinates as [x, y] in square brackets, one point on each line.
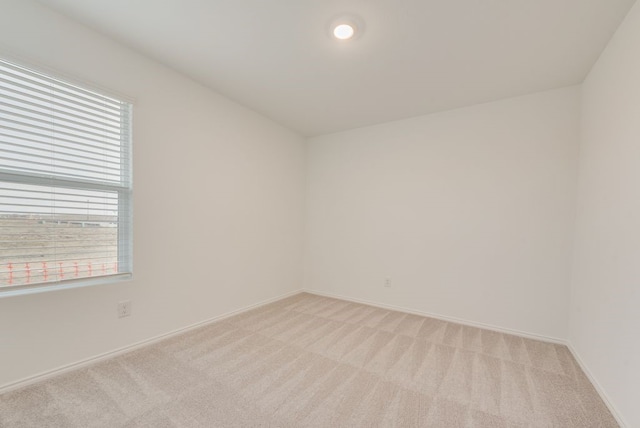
[8, 176]
[28, 75]
[61, 108]
[60, 124]
[9, 139]
[48, 134]
[61, 163]
[87, 194]
[98, 110]
[49, 117]
[25, 245]
[55, 129]
[50, 106]
[59, 166]
[111, 202]
[59, 89]
[37, 231]
[69, 176]
[22, 149]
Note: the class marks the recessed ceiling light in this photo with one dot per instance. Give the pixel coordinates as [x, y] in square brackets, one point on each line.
[344, 31]
[345, 27]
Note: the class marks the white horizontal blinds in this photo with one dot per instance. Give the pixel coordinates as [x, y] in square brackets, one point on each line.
[65, 180]
[52, 128]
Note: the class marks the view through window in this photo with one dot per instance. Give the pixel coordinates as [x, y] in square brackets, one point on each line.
[65, 181]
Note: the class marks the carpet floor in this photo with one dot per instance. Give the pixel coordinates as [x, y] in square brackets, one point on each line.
[310, 361]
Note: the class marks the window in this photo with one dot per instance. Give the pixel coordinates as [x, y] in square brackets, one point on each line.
[65, 182]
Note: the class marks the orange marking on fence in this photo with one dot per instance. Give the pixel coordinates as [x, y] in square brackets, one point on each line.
[45, 270]
[115, 267]
[10, 266]
[28, 269]
[61, 271]
[90, 269]
[75, 269]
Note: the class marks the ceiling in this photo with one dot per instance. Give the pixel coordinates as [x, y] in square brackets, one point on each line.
[412, 57]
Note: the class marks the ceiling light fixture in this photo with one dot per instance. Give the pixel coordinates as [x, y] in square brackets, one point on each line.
[345, 27]
[344, 31]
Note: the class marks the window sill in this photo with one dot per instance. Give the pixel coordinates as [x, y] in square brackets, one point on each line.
[62, 285]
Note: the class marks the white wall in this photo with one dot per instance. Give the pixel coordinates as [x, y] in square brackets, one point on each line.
[605, 299]
[468, 212]
[218, 205]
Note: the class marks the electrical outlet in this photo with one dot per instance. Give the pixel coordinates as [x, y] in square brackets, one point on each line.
[387, 282]
[124, 309]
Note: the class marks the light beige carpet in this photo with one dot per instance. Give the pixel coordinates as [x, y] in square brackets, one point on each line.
[313, 361]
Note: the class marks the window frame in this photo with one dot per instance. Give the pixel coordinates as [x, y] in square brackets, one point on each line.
[124, 190]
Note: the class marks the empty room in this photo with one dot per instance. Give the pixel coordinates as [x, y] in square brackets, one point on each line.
[382, 213]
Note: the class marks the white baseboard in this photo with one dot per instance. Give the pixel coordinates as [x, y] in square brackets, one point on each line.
[443, 317]
[614, 411]
[110, 354]
[101, 357]
[527, 335]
